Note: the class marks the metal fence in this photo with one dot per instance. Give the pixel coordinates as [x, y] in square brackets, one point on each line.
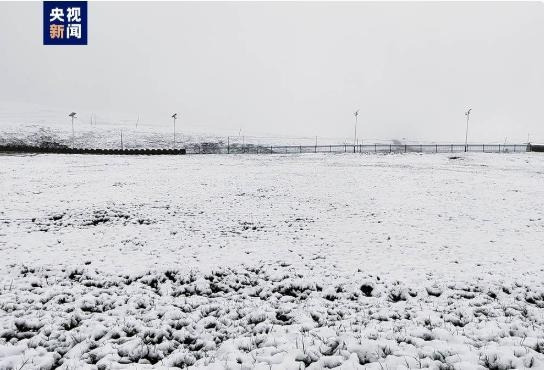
[214, 148]
[217, 148]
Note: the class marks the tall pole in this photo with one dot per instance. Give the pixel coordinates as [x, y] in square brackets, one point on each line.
[73, 115]
[174, 117]
[356, 114]
[73, 132]
[467, 113]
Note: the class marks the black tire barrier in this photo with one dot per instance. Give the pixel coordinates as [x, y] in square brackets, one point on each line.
[536, 148]
[40, 150]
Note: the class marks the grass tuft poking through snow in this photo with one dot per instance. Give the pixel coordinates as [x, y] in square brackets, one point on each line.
[260, 316]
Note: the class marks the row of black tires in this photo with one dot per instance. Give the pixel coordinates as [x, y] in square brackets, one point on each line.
[35, 149]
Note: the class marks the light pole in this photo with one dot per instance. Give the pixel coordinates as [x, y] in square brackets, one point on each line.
[356, 114]
[467, 113]
[72, 115]
[175, 116]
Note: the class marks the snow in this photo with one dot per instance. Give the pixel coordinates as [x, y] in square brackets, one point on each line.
[34, 124]
[272, 261]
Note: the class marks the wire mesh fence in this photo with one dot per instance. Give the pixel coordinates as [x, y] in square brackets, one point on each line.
[219, 148]
[214, 148]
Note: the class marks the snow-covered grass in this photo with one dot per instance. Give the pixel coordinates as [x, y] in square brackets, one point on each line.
[260, 261]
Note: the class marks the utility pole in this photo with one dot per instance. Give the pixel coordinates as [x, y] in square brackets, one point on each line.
[72, 115]
[467, 114]
[175, 116]
[122, 147]
[356, 114]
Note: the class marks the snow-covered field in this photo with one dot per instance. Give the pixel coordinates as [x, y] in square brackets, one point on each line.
[272, 261]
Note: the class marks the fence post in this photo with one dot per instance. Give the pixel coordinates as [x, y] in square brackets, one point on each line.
[452, 148]
[436, 148]
[514, 148]
[330, 148]
[375, 149]
[271, 151]
[300, 148]
[499, 148]
[345, 148]
[405, 148]
[421, 148]
[483, 148]
[389, 148]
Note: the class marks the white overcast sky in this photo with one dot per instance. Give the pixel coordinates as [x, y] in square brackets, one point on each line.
[298, 68]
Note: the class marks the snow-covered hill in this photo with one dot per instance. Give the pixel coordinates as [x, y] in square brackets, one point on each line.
[32, 124]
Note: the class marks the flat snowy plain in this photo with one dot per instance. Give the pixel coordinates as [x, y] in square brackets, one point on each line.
[271, 261]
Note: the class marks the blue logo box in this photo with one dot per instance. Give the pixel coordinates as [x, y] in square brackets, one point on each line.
[65, 23]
